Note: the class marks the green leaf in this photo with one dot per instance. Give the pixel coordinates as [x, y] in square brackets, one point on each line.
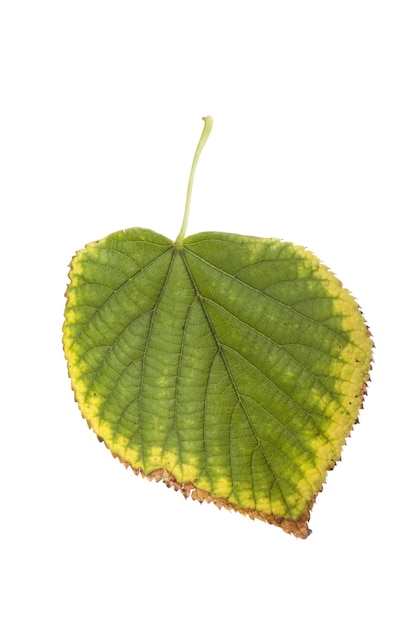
[231, 367]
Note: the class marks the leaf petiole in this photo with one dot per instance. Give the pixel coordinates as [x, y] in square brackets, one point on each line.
[208, 125]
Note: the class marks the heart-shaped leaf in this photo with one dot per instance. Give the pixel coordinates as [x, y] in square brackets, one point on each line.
[231, 367]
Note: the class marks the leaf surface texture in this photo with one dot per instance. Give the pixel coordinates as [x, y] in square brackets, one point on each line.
[231, 367]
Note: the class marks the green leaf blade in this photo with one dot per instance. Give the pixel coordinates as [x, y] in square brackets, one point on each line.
[232, 367]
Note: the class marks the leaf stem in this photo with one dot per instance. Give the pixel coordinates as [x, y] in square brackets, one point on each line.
[208, 125]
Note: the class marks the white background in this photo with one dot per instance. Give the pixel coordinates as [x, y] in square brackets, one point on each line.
[314, 141]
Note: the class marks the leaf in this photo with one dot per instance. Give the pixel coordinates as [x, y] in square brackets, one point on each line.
[233, 368]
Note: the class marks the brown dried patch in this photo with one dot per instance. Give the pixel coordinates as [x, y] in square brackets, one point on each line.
[298, 528]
